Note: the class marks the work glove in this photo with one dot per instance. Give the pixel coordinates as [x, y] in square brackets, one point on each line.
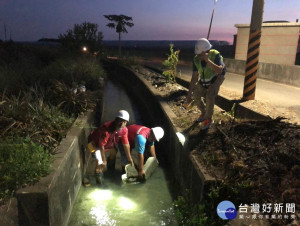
[98, 157]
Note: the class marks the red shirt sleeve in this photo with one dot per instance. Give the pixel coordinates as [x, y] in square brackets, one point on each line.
[124, 137]
[103, 138]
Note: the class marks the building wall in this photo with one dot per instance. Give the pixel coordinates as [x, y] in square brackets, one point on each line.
[279, 42]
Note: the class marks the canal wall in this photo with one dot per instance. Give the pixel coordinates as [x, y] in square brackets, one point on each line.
[50, 201]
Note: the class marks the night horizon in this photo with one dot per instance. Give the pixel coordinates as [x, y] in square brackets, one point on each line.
[155, 20]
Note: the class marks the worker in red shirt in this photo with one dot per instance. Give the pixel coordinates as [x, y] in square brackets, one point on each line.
[141, 138]
[105, 138]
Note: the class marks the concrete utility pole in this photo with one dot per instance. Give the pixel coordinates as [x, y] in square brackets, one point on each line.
[253, 50]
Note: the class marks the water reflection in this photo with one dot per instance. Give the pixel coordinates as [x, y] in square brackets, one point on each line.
[147, 203]
[115, 99]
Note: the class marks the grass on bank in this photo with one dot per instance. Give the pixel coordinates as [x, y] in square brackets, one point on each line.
[22, 162]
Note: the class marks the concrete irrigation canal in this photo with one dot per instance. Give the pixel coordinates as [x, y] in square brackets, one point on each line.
[60, 198]
[117, 203]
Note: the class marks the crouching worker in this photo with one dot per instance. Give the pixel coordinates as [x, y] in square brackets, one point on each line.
[141, 138]
[104, 139]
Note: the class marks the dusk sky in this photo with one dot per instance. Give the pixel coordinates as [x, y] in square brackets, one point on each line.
[30, 20]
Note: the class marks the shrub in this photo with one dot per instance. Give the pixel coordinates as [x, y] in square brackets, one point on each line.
[28, 115]
[71, 101]
[171, 64]
[37, 108]
[84, 34]
[21, 162]
[74, 71]
[188, 214]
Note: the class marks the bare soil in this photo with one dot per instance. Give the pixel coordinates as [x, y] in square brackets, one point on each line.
[287, 114]
[254, 161]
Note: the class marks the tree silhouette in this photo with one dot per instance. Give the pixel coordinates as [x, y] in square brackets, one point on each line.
[85, 34]
[119, 22]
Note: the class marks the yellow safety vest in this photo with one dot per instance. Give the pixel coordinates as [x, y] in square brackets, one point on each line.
[206, 74]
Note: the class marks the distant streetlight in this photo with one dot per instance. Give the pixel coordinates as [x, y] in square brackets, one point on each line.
[211, 19]
[84, 49]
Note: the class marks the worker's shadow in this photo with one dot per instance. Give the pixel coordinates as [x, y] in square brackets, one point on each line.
[191, 128]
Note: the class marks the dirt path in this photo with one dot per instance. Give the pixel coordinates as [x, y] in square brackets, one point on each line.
[273, 99]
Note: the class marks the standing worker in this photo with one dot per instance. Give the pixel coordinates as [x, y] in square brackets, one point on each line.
[208, 75]
[105, 138]
[141, 138]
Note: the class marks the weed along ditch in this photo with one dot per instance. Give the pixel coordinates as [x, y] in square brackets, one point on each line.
[197, 169]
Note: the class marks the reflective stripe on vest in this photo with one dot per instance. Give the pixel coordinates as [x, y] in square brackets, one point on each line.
[206, 74]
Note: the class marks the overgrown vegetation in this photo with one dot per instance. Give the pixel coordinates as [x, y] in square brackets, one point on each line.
[22, 162]
[188, 214]
[171, 64]
[254, 161]
[254, 148]
[27, 115]
[205, 213]
[42, 91]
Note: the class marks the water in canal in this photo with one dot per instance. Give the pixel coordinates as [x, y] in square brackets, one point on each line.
[116, 203]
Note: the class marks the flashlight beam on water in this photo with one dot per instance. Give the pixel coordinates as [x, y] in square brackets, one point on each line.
[101, 195]
[126, 203]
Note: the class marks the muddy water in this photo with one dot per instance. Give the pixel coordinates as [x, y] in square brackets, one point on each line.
[116, 203]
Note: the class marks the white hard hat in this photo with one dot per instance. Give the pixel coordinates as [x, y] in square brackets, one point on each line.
[202, 45]
[123, 115]
[158, 132]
